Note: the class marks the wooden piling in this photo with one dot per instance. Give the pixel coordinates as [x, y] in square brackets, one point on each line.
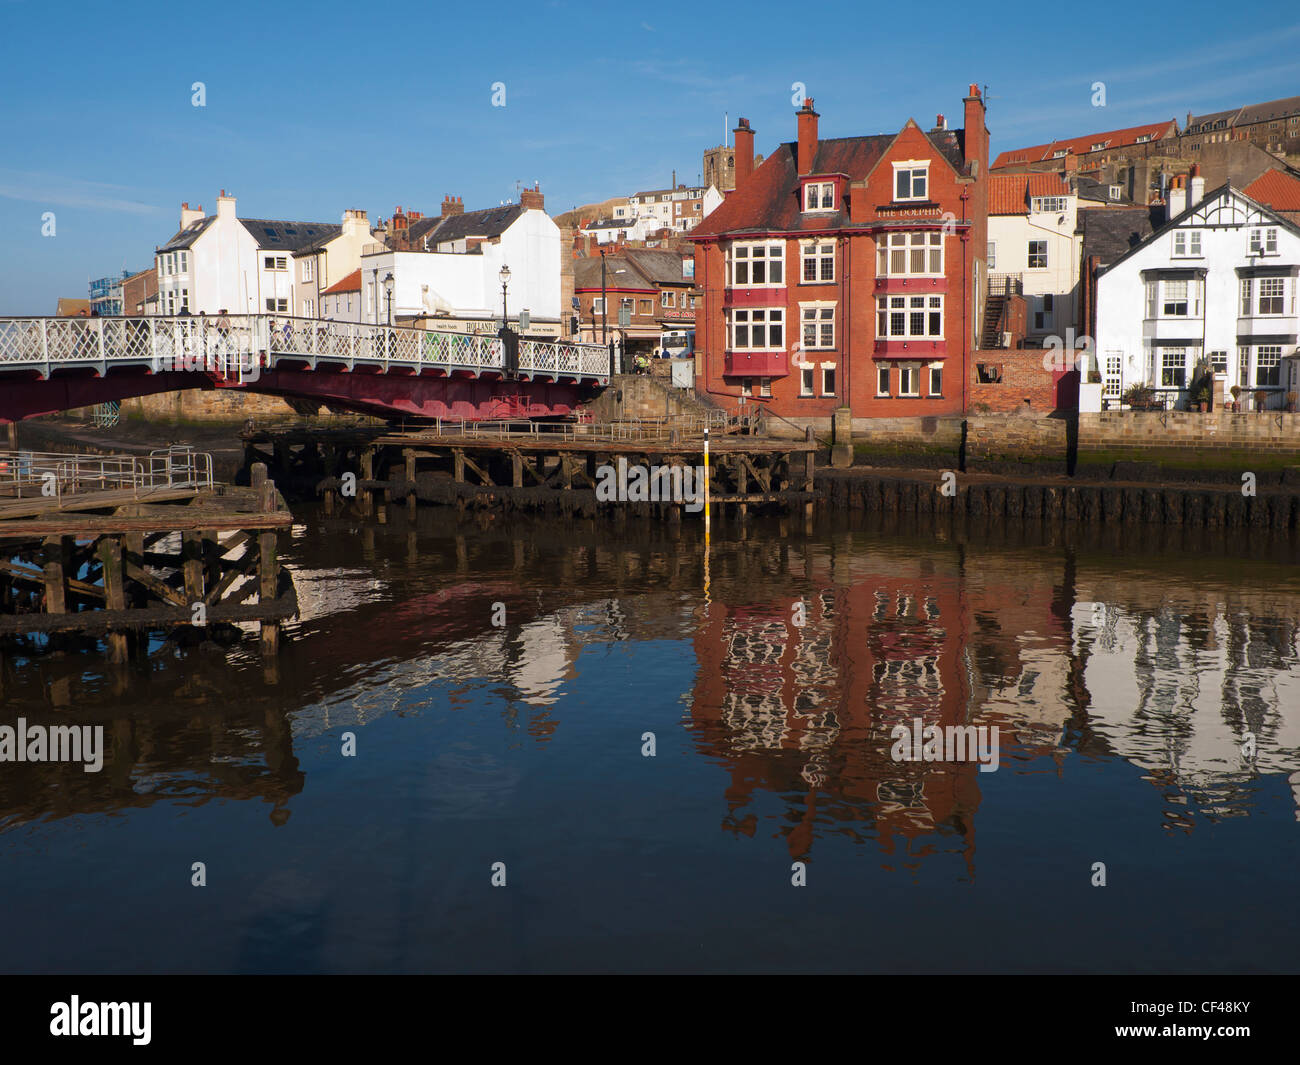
[411, 501]
[269, 566]
[56, 588]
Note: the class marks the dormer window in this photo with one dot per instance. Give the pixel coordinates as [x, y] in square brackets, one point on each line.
[1116, 192]
[1047, 204]
[819, 196]
[911, 180]
[1098, 146]
[1060, 153]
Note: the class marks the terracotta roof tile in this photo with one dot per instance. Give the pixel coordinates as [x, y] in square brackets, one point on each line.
[1276, 189]
[351, 283]
[1115, 138]
[1011, 193]
[769, 202]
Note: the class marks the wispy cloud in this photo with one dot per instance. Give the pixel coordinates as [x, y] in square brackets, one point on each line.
[1124, 110]
[70, 192]
[647, 27]
[1202, 61]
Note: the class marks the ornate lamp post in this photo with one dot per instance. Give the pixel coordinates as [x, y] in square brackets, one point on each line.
[505, 280]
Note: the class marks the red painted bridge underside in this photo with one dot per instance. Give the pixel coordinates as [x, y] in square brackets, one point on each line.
[385, 395]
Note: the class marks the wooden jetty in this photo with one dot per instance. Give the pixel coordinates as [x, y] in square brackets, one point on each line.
[115, 546]
[531, 465]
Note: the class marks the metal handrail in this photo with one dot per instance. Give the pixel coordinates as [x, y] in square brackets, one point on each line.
[70, 474]
[239, 344]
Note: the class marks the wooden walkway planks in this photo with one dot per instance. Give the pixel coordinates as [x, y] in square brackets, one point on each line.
[94, 500]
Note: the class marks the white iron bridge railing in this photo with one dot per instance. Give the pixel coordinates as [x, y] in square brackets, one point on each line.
[241, 345]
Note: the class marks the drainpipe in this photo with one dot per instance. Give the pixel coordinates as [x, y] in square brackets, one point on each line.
[845, 292]
[967, 344]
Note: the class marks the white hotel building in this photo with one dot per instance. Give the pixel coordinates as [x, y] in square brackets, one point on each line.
[1214, 289]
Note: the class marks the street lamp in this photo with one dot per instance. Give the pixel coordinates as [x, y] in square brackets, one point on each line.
[388, 291]
[505, 280]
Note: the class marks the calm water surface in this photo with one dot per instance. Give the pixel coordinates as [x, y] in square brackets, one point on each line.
[1124, 670]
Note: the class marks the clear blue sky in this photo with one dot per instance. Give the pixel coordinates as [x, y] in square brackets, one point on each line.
[319, 107]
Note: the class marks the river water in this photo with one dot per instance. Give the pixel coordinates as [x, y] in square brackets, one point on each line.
[501, 684]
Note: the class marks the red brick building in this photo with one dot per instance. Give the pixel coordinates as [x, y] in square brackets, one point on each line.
[847, 272]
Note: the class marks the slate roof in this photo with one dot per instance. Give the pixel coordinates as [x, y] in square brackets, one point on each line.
[351, 283]
[1205, 123]
[661, 267]
[769, 202]
[289, 236]
[187, 236]
[489, 222]
[1276, 189]
[586, 274]
[1115, 138]
[1272, 110]
[1091, 189]
[1109, 235]
[1011, 193]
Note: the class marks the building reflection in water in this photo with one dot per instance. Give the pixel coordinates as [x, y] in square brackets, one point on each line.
[1170, 672]
[1166, 662]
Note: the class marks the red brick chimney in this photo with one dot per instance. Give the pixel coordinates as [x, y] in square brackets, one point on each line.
[532, 198]
[451, 205]
[976, 136]
[807, 119]
[744, 152]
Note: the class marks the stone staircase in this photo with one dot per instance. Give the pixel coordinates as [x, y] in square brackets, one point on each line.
[646, 398]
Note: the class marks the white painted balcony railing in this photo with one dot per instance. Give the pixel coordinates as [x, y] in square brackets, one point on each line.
[231, 343]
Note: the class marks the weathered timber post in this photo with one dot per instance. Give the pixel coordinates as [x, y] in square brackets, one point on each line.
[410, 477]
[516, 469]
[366, 497]
[109, 550]
[809, 471]
[269, 564]
[192, 566]
[56, 587]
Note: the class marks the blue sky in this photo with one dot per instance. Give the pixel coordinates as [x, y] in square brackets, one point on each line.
[311, 109]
